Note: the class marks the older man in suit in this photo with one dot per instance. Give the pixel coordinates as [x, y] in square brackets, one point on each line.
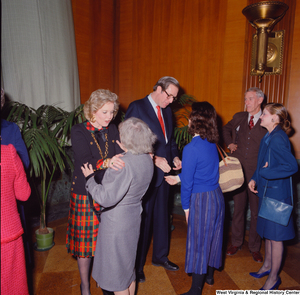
[242, 136]
[155, 111]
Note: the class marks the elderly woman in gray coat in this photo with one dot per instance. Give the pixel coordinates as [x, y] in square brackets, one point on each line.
[120, 194]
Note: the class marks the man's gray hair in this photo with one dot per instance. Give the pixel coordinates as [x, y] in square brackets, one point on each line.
[164, 83]
[258, 92]
[136, 136]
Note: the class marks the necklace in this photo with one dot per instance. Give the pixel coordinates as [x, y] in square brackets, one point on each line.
[106, 146]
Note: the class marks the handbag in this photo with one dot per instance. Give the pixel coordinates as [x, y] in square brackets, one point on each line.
[275, 210]
[231, 172]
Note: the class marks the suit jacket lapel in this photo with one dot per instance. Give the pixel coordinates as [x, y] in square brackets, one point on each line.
[257, 125]
[262, 153]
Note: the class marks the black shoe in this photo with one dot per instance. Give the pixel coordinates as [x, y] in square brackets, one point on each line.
[105, 292]
[168, 265]
[209, 281]
[199, 291]
[140, 277]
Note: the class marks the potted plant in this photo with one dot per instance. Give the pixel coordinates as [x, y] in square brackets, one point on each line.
[46, 132]
[182, 112]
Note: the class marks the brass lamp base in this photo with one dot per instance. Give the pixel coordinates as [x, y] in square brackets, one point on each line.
[267, 46]
[274, 54]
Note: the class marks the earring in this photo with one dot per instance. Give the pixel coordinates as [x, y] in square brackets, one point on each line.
[93, 119]
[272, 120]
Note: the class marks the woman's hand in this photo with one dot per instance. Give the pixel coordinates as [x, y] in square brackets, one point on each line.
[266, 165]
[177, 163]
[172, 179]
[116, 163]
[87, 169]
[187, 215]
[252, 185]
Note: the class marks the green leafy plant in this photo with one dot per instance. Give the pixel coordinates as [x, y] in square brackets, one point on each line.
[182, 112]
[46, 132]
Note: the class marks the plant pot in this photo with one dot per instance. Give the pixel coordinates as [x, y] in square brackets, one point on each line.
[44, 242]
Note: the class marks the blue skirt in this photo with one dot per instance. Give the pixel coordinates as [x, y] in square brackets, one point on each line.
[205, 231]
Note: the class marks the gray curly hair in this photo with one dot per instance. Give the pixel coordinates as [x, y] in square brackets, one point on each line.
[136, 136]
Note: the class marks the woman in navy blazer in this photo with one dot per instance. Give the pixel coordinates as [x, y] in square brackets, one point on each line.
[93, 141]
[275, 165]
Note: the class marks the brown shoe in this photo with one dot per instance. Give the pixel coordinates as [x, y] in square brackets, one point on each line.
[232, 250]
[257, 256]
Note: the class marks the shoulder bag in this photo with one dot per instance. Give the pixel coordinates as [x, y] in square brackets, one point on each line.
[231, 172]
[275, 210]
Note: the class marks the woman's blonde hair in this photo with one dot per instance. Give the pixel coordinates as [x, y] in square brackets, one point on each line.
[97, 100]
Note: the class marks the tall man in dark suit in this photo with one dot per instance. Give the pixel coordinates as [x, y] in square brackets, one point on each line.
[153, 110]
[242, 135]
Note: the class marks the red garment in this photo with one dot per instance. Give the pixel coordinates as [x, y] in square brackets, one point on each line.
[13, 268]
[161, 121]
[14, 186]
[251, 122]
[83, 226]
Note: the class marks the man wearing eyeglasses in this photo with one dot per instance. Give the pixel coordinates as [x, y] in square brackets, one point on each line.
[155, 111]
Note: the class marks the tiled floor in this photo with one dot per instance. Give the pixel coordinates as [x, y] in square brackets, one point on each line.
[56, 272]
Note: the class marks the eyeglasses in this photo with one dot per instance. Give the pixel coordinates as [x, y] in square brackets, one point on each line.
[170, 95]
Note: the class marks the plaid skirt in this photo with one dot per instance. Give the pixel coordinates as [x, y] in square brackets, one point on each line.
[82, 228]
[205, 231]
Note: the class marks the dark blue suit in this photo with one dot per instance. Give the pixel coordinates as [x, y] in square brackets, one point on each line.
[155, 201]
[10, 134]
[276, 150]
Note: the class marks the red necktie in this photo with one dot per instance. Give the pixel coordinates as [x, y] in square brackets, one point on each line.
[160, 119]
[251, 123]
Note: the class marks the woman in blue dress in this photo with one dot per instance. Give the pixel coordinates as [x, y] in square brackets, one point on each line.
[275, 165]
[201, 197]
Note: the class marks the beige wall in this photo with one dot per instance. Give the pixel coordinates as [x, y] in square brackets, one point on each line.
[206, 45]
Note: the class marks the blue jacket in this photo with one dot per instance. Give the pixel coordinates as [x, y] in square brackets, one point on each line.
[10, 134]
[200, 169]
[275, 149]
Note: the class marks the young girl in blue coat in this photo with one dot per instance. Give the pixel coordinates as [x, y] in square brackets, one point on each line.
[275, 165]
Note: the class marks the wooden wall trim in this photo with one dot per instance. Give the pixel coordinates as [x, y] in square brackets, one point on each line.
[232, 96]
[293, 103]
[94, 35]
